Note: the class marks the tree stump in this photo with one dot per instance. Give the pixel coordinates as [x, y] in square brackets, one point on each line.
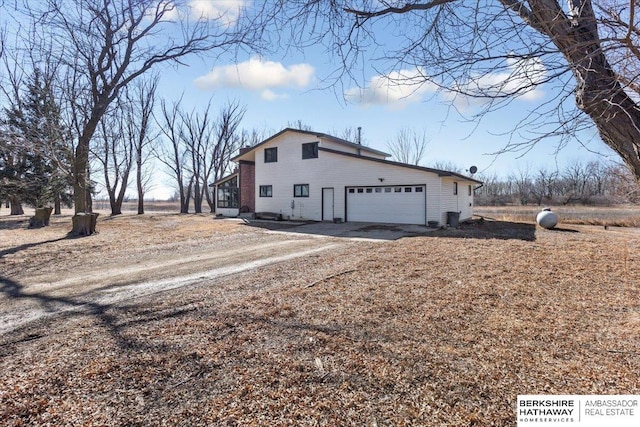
[41, 218]
[84, 223]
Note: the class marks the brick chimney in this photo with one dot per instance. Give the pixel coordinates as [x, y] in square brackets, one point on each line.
[247, 182]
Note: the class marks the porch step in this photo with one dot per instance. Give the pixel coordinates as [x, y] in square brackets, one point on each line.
[268, 215]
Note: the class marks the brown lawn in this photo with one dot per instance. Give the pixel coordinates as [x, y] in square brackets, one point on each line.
[441, 329]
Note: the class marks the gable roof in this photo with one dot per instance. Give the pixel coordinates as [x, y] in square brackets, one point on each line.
[317, 135]
[224, 178]
[439, 172]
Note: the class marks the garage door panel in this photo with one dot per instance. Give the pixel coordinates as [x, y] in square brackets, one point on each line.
[392, 204]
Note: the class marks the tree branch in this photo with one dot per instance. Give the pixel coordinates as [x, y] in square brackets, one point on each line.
[398, 10]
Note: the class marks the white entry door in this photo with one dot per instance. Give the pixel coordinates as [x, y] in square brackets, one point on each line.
[327, 204]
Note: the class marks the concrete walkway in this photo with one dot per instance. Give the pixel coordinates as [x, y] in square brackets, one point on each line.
[351, 230]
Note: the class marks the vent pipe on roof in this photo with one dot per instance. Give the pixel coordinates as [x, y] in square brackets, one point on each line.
[360, 135]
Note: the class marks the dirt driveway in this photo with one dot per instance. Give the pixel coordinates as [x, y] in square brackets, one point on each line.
[48, 276]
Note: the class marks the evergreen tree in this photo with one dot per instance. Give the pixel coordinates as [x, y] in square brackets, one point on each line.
[33, 152]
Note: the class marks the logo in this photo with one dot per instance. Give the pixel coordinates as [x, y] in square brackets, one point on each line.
[578, 410]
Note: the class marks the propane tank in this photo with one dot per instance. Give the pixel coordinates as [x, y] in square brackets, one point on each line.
[547, 219]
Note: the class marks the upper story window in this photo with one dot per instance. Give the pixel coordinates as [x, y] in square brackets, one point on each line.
[310, 150]
[455, 188]
[470, 191]
[271, 155]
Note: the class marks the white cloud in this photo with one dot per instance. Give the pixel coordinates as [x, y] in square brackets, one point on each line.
[396, 89]
[226, 12]
[521, 77]
[399, 88]
[258, 75]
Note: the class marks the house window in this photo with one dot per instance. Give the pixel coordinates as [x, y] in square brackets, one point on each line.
[227, 197]
[266, 191]
[310, 150]
[455, 188]
[301, 190]
[418, 189]
[271, 155]
[228, 193]
[470, 191]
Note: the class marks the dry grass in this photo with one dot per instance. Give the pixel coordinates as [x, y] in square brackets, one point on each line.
[445, 329]
[617, 216]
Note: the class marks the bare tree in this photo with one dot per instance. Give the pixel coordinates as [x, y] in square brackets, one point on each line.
[353, 134]
[104, 45]
[174, 153]
[197, 132]
[227, 140]
[115, 152]
[575, 180]
[409, 146]
[300, 125]
[199, 148]
[493, 51]
[544, 185]
[446, 166]
[140, 101]
[521, 181]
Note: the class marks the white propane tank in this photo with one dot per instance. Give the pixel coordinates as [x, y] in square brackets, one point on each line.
[547, 219]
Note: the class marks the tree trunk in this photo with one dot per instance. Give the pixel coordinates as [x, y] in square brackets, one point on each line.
[123, 189]
[80, 186]
[41, 218]
[210, 199]
[16, 206]
[598, 92]
[116, 209]
[139, 182]
[57, 205]
[82, 201]
[197, 197]
[85, 223]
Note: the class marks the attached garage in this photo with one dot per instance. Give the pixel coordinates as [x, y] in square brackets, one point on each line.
[397, 204]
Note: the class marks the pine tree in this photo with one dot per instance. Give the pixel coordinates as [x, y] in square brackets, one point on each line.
[33, 152]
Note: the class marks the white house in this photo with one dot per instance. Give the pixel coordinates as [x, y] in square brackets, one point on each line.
[313, 176]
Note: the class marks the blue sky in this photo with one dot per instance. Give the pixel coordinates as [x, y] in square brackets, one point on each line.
[286, 87]
[279, 89]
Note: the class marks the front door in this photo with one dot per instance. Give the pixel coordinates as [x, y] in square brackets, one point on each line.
[327, 204]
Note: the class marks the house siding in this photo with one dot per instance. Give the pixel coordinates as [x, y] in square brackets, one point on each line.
[461, 202]
[329, 170]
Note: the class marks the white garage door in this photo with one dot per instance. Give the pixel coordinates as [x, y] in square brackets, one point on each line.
[390, 204]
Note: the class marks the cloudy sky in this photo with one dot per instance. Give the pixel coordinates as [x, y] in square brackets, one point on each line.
[296, 86]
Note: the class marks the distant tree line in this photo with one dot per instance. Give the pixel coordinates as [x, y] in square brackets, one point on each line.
[587, 183]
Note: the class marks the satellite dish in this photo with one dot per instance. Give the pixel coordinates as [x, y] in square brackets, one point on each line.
[473, 169]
